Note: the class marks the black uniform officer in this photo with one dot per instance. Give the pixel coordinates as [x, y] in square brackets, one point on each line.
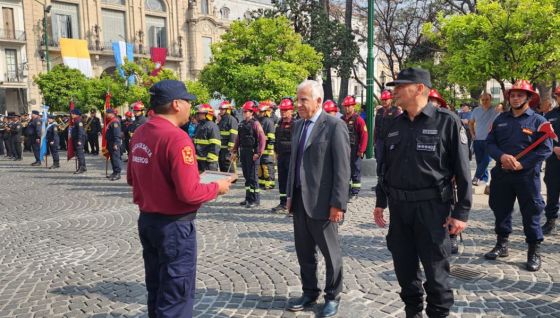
[512, 178]
[7, 138]
[34, 135]
[432, 143]
[93, 130]
[124, 127]
[552, 174]
[250, 143]
[266, 173]
[139, 118]
[26, 132]
[207, 139]
[16, 138]
[228, 131]
[3, 123]
[283, 149]
[79, 139]
[114, 141]
[53, 141]
[63, 124]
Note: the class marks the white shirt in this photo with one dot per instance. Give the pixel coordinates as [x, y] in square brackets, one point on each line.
[311, 124]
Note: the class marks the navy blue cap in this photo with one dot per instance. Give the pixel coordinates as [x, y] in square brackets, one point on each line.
[167, 91]
[109, 111]
[35, 112]
[412, 75]
[49, 116]
[76, 112]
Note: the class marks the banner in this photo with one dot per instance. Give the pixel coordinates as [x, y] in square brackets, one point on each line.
[123, 52]
[158, 56]
[75, 54]
[43, 151]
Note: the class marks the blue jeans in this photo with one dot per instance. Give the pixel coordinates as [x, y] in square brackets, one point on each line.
[482, 160]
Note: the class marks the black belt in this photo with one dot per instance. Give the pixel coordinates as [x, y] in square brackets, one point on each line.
[175, 217]
[417, 195]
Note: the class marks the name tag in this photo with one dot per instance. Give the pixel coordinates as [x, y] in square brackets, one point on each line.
[393, 134]
[429, 131]
[426, 147]
[502, 125]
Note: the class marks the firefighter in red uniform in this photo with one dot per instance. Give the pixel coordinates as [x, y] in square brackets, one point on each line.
[166, 186]
[330, 107]
[283, 149]
[358, 143]
[250, 143]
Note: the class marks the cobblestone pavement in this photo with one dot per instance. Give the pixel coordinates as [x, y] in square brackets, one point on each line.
[70, 249]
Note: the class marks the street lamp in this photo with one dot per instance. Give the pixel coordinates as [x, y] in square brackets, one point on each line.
[370, 77]
[46, 9]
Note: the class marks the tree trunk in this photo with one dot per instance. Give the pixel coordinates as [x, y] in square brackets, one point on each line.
[327, 84]
[345, 78]
[545, 91]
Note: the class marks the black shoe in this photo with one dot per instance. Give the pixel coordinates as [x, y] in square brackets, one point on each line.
[54, 166]
[250, 205]
[329, 309]
[242, 203]
[115, 177]
[18, 159]
[549, 227]
[500, 250]
[302, 303]
[454, 244]
[280, 209]
[36, 163]
[534, 257]
[80, 171]
[110, 176]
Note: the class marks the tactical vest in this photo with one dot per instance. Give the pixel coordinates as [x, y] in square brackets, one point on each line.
[247, 137]
[225, 125]
[284, 137]
[351, 123]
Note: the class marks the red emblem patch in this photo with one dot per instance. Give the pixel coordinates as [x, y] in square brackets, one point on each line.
[188, 155]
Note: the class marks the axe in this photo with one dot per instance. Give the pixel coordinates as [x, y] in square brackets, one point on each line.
[547, 130]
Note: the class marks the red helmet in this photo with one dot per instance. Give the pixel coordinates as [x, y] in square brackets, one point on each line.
[286, 104]
[137, 106]
[250, 106]
[524, 85]
[330, 106]
[435, 95]
[226, 105]
[128, 114]
[349, 101]
[205, 109]
[265, 106]
[385, 95]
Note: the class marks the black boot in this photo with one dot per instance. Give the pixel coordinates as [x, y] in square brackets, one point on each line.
[534, 257]
[115, 177]
[55, 165]
[500, 250]
[549, 227]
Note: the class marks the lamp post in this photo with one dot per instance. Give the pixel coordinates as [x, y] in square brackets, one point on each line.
[370, 80]
[46, 9]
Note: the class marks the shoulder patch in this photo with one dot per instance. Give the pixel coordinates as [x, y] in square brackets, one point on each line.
[463, 135]
[188, 155]
[80, 124]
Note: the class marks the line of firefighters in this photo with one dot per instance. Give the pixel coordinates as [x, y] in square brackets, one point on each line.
[261, 141]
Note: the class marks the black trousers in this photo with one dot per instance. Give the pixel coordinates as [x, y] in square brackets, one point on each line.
[53, 150]
[80, 154]
[115, 156]
[283, 167]
[308, 235]
[416, 232]
[8, 143]
[16, 147]
[36, 148]
[249, 167]
[552, 181]
[93, 140]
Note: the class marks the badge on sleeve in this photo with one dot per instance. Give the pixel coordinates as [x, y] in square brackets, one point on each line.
[188, 155]
[527, 131]
[463, 134]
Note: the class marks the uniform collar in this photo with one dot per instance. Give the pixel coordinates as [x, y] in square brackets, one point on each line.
[528, 112]
[428, 110]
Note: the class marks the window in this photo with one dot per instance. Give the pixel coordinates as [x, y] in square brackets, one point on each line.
[157, 32]
[496, 90]
[225, 13]
[64, 20]
[207, 47]
[154, 5]
[11, 65]
[114, 27]
[116, 2]
[204, 7]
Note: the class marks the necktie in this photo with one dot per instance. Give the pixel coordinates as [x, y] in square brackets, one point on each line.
[300, 151]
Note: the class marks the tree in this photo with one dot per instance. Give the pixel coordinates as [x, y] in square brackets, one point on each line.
[260, 59]
[199, 90]
[505, 40]
[60, 85]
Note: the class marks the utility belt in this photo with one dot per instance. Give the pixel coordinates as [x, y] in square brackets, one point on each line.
[189, 216]
[443, 192]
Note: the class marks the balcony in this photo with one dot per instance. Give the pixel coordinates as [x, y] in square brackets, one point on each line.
[12, 77]
[11, 35]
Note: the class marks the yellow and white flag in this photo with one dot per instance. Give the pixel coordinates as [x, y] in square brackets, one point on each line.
[75, 54]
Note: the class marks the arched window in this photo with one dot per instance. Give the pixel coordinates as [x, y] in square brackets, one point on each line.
[154, 5]
[225, 13]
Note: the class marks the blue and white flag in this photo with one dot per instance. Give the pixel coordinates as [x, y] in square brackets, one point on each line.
[43, 151]
[123, 52]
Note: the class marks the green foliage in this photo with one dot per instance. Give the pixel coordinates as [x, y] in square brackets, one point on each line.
[504, 40]
[60, 85]
[199, 90]
[260, 59]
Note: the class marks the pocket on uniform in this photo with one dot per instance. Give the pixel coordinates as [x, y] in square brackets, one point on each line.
[427, 144]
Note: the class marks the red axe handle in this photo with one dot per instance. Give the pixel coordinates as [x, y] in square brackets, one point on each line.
[531, 146]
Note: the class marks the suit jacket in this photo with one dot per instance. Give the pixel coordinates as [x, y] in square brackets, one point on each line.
[325, 166]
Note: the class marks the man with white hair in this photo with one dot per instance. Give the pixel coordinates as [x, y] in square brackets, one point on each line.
[317, 192]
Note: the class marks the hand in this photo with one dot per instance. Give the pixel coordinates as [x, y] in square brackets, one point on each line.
[116, 147]
[52, 142]
[378, 217]
[455, 226]
[38, 141]
[223, 186]
[256, 157]
[336, 215]
[508, 162]
[360, 154]
[557, 152]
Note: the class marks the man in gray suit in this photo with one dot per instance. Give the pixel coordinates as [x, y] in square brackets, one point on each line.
[317, 191]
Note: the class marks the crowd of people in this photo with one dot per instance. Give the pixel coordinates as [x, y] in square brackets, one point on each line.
[316, 152]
